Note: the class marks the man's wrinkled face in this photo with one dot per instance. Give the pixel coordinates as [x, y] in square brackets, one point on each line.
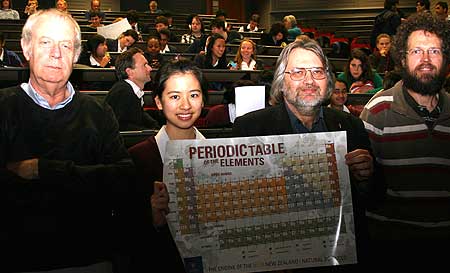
[308, 92]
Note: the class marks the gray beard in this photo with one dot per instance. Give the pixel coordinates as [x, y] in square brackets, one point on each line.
[306, 109]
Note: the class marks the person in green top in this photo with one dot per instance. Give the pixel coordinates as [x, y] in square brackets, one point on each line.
[359, 75]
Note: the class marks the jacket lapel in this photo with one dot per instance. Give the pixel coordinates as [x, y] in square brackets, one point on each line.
[332, 122]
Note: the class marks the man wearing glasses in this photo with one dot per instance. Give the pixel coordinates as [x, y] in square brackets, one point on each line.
[302, 82]
[409, 127]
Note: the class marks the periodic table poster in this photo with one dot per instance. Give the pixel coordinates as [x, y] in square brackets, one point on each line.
[260, 203]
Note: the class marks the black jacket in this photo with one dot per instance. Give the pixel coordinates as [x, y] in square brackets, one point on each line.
[275, 121]
[68, 216]
[128, 109]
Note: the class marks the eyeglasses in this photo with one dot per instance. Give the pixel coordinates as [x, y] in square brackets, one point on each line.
[418, 52]
[298, 74]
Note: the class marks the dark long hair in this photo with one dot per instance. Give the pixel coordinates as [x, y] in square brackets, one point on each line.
[178, 66]
[208, 57]
[366, 74]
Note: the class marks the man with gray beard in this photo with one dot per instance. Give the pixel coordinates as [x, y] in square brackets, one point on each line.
[303, 81]
[409, 127]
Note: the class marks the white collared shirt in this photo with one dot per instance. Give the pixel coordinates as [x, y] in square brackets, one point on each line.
[166, 49]
[252, 65]
[162, 138]
[41, 101]
[93, 61]
[137, 91]
[119, 49]
[242, 29]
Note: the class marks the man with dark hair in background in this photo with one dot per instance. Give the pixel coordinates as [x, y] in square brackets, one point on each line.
[441, 10]
[409, 127]
[126, 97]
[125, 41]
[133, 18]
[422, 6]
[387, 21]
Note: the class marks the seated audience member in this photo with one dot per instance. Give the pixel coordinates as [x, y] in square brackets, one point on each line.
[133, 19]
[95, 7]
[246, 57]
[125, 40]
[8, 57]
[359, 75]
[277, 36]
[222, 15]
[161, 22]
[164, 35]
[196, 31]
[30, 8]
[381, 60]
[231, 37]
[223, 115]
[182, 80]
[290, 23]
[441, 10]
[215, 57]
[169, 17]
[338, 96]
[152, 52]
[423, 6]
[126, 97]
[95, 19]
[6, 12]
[153, 8]
[61, 5]
[95, 53]
[252, 25]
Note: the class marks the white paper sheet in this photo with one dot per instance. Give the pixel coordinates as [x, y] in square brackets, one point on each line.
[112, 31]
[249, 98]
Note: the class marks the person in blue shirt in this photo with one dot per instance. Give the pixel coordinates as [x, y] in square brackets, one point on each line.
[8, 57]
[290, 23]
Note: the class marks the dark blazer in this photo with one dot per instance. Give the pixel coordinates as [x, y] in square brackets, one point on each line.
[275, 121]
[267, 40]
[10, 58]
[198, 45]
[127, 108]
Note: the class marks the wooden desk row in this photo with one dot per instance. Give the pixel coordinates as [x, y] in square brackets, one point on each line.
[103, 78]
[14, 45]
[214, 97]
[212, 75]
[85, 35]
